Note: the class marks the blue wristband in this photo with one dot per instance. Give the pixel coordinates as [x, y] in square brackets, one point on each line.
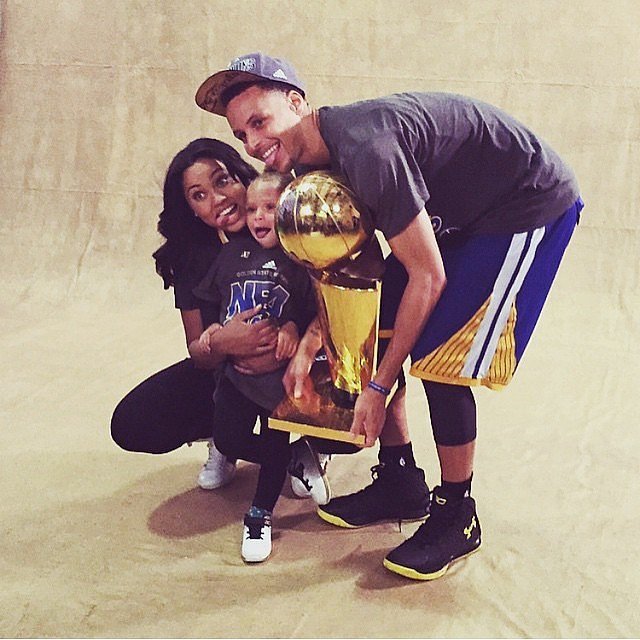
[378, 387]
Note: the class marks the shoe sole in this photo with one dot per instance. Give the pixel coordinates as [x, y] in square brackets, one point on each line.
[212, 487]
[339, 522]
[414, 574]
[255, 560]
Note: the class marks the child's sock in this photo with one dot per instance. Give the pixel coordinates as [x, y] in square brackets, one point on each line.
[257, 512]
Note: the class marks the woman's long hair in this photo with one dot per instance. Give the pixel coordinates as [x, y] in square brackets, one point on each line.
[177, 224]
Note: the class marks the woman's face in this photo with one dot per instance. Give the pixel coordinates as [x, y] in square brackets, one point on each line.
[214, 196]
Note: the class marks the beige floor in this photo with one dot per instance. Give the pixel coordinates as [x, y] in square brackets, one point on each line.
[96, 542]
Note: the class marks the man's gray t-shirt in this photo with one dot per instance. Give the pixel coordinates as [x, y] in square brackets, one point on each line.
[474, 168]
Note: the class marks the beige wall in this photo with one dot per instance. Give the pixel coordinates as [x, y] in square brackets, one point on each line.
[96, 97]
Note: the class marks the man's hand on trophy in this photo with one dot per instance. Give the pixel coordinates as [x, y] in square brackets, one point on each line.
[296, 380]
[368, 416]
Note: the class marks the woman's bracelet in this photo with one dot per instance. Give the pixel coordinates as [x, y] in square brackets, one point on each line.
[378, 387]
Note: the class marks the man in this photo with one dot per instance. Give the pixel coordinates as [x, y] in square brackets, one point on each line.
[464, 285]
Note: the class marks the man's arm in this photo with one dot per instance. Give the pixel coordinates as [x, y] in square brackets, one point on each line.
[416, 248]
[296, 379]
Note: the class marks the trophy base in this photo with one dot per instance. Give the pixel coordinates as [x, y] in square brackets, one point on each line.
[320, 416]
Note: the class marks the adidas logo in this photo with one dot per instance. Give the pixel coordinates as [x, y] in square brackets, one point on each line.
[270, 265]
[280, 74]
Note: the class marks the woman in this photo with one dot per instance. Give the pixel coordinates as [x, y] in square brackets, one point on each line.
[204, 194]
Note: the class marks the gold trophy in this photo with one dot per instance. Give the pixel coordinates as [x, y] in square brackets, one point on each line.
[321, 226]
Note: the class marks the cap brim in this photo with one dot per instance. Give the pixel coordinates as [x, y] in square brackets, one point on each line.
[210, 91]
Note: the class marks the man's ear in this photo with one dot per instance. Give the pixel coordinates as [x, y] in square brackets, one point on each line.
[296, 102]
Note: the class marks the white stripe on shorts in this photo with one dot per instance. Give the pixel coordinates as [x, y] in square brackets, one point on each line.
[512, 273]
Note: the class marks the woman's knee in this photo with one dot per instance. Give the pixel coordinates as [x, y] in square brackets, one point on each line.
[123, 426]
[228, 445]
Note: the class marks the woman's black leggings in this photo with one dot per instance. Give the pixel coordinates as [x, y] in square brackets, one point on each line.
[167, 410]
[175, 406]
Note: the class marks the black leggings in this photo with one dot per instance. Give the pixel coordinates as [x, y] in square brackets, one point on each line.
[173, 407]
[167, 410]
[234, 417]
[453, 413]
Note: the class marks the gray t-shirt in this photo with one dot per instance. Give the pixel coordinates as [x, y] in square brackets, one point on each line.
[472, 166]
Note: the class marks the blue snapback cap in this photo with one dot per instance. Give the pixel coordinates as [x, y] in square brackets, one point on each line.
[246, 68]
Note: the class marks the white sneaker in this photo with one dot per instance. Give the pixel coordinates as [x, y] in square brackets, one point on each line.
[256, 538]
[298, 487]
[305, 465]
[217, 470]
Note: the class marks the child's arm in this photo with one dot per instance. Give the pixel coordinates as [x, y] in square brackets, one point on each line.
[288, 339]
[205, 337]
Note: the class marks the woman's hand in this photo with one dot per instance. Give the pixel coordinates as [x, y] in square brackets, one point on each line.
[237, 338]
[255, 365]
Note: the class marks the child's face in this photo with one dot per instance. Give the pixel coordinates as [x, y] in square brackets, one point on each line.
[262, 206]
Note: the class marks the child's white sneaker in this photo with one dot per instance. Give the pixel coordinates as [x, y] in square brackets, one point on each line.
[256, 537]
[217, 470]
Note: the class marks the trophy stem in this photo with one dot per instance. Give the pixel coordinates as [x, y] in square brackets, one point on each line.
[348, 310]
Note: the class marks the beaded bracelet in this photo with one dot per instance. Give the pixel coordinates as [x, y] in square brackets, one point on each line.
[379, 388]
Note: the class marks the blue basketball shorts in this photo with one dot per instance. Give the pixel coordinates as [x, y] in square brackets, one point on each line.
[496, 288]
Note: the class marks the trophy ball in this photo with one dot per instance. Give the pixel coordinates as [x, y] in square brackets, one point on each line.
[319, 223]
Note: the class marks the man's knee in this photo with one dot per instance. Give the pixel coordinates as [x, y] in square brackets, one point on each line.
[453, 413]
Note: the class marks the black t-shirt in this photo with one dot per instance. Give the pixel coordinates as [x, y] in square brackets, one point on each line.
[473, 167]
[245, 275]
[190, 273]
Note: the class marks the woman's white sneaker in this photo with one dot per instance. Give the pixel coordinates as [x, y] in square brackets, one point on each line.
[217, 470]
[256, 536]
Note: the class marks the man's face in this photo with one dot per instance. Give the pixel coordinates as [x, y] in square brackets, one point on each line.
[262, 120]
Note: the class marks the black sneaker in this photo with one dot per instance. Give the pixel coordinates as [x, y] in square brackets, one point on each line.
[451, 532]
[396, 493]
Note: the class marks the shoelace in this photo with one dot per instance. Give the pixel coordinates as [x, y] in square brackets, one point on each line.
[255, 527]
[212, 464]
[437, 523]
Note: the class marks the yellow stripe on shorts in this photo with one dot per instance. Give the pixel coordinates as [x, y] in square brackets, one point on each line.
[447, 362]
